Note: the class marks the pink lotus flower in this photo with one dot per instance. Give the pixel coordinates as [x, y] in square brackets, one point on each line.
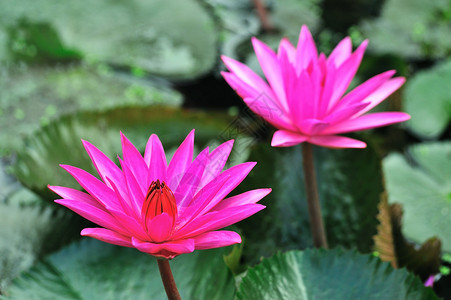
[305, 98]
[163, 210]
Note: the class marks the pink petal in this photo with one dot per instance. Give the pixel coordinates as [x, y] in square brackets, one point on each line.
[181, 160]
[306, 50]
[300, 98]
[249, 197]
[188, 185]
[155, 158]
[93, 186]
[248, 76]
[334, 141]
[160, 227]
[135, 163]
[286, 47]
[217, 220]
[107, 236]
[367, 122]
[216, 162]
[341, 52]
[130, 223]
[125, 203]
[167, 250]
[312, 126]
[104, 166]
[344, 113]
[93, 214]
[68, 193]
[364, 90]
[135, 195]
[216, 239]
[270, 111]
[382, 93]
[284, 138]
[271, 68]
[242, 88]
[346, 72]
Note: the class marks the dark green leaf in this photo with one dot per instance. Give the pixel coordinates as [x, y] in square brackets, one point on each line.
[423, 187]
[329, 274]
[96, 270]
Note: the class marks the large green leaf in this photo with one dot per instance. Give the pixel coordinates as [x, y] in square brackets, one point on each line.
[32, 97]
[95, 270]
[349, 183]
[411, 29]
[171, 38]
[329, 274]
[37, 164]
[427, 98]
[422, 184]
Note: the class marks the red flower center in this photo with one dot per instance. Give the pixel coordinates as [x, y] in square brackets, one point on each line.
[159, 199]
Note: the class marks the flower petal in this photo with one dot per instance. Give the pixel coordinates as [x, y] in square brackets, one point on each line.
[271, 68]
[268, 109]
[216, 162]
[181, 160]
[216, 239]
[367, 122]
[284, 138]
[68, 193]
[168, 250]
[335, 141]
[135, 194]
[160, 227]
[135, 163]
[93, 186]
[107, 236]
[341, 52]
[155, 158]
[93, 214]
[249, 197]
[306, 53]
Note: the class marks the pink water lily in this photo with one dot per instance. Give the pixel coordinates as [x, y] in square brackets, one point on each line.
[305, 94]
[162, 209]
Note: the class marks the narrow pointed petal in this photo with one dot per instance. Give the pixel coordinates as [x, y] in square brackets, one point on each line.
[168, 250]
[130, 223]
[367, 122]
[155, 158]
[271, 68]
[135, 194]
[286, 47]
[334, 141]
[341, 52]
[100, 217]
[270, 111]
[301, 98]
[216, 162]
[284, 138]
[217, 220]
[104, 166]
[306, 50]
[93, 186]
[248, 76]
[312, 126]
[68, 193]
[216, 239]
[135, 162]
[346, 72]
[107, 236]
[181, 160]
[249, 197]
[344, 113]
[160, 228]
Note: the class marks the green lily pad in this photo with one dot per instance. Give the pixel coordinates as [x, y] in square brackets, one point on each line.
[37, 164]
[95, 270]
[422, 184]
[173, 38]
[420, 31]
[329, 274]
[33, 97]
[349, 182]
[427, 98]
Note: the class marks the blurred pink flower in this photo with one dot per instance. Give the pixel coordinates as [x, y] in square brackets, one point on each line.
[305, 95]
[163, 210]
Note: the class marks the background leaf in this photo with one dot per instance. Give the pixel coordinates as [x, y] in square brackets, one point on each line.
[422, 184]
[329, 274]
[92, 269]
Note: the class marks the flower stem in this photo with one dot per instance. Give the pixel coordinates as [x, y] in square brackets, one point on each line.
[168, 280]
[263, 15]
[314, 208]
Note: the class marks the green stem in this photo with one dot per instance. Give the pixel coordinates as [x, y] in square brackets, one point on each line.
[168, 280]
[314, 208]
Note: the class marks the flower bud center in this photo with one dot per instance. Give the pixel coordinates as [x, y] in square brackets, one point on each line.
[159, 199]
